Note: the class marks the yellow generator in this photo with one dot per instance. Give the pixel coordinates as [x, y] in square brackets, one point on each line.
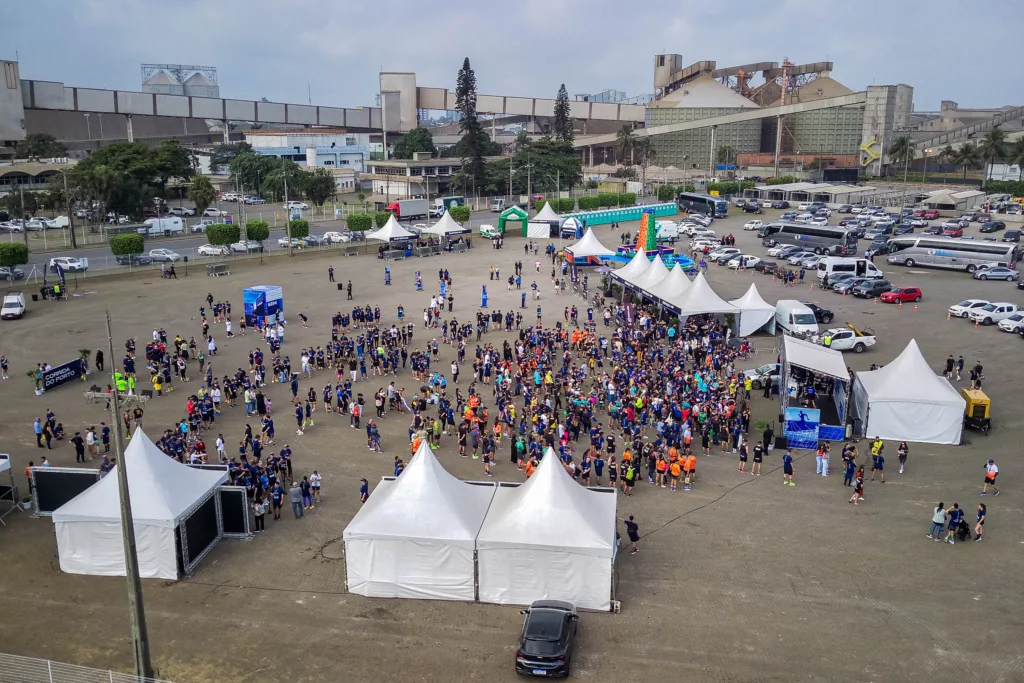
[977, 412]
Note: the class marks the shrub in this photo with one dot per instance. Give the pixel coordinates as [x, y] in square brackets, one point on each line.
[591, 184]
[257, 230]
[14, 254]
[606, 199]
[359, 222]
[222, 234]
[666, 193]
[298, 228]
[689, 188]
[588, 203]
[127, 244]
[459, 214]
[1014, 188]
[627, 199]
[566, 205]
[381, 218]
[540, 204]
[782, 180]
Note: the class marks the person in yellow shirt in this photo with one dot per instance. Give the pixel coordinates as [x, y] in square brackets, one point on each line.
[158, 384]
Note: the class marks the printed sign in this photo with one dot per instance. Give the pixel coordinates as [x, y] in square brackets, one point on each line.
[62, 374]
[801, 428]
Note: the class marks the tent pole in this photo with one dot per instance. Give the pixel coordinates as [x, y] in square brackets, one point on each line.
[140, 636]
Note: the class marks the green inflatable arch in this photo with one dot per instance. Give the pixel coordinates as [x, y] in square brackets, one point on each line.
[512, 213]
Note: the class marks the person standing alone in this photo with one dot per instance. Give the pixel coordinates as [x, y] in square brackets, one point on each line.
[633, 531]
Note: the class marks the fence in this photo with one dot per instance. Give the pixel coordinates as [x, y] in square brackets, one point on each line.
[15, 669]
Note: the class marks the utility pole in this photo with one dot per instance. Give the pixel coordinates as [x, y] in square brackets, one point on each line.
[711, 160]
[287, 212]
[778, 142]
[24, 228]
[71, 215]
[140, 636]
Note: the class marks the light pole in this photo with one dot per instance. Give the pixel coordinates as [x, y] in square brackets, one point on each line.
[287, 215]
[711, 160]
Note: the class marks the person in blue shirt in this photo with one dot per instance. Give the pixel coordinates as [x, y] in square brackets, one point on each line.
[956, 515]
[787, 468]
[276, 499]
[877, 462]
[364, 490]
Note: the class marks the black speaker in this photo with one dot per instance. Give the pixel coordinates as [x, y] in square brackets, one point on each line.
[781, 443]
[186, 259]
[341, 287]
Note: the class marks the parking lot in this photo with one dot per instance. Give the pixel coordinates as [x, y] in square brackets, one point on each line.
[739, 580]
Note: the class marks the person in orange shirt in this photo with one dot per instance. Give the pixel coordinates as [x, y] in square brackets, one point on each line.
[416, 441]
[661, 469]
[691, 471]
[674, 470]
[531, 466]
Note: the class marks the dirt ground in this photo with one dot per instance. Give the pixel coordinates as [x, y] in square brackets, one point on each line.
[739, 580]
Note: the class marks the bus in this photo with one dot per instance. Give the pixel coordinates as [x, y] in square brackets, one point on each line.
[952, 253]
[693, 202]
[821, 239]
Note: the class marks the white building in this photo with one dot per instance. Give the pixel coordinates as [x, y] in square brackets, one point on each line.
[330, 147]
[1004, 172]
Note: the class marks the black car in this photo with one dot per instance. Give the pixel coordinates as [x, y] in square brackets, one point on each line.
[992, 226]
[934, 229]
[858, 231]
[871, 288]
[1020, 285]
[822, 315]
[12, 274]
[766, 267]
[903, 229]
[134, 260]
[780, 204]
[547, 639]
[845, 208]
[1011, 236]
[752, 207]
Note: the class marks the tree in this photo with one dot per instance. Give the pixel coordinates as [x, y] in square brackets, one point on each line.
[128, 244]
[201, 193]
[171, 161]
[947, 156]
[249, 168]
[257, 231]
[320, 185]
[416, 140]
[563, 122]
[40, 145]
[285, 174]
[298, 228]
[725, 155]
[473, 136]
[992, 147]
[459, 214]
[224, 154]
[1015, 156]
[360, 222]
[382, 217]
[13, 254]
[222, 234]
[901, 152]
[967, 157]
[625, 142]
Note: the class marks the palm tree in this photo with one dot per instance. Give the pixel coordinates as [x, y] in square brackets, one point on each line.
[626, 141]
[947, 156]
[1015, 156]
[645, 151]
[902, 151]
[992, 147]
[968, 156]
[725, 155]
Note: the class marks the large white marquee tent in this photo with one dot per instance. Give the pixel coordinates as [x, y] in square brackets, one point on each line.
[415, 536]
[588, 248]
[906, 401]
[392, 230]
[755, 312]
[547, 214]
[163, 492]
[548, 538]
[699, 299]
[445, 226]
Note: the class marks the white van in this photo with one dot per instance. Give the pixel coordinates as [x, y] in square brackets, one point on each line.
[497, 205]
[667, 231]
[162, 226]
[795, 317]
[841, 265]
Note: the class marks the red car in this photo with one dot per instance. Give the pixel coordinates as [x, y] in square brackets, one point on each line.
[901, 294]
[953, 232]
[930, 214]
[919, 213]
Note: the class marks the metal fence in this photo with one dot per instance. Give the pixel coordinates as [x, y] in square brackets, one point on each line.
[15, 669]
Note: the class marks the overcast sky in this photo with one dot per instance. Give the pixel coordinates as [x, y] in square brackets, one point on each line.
[272, 48]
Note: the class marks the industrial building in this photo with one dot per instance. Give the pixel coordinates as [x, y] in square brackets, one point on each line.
[330, 147]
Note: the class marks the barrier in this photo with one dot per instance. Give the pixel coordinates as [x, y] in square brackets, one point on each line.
[32, 670]
[629, 213]
[217, 269]
[54, 486]
[351, 250]
[394, 255]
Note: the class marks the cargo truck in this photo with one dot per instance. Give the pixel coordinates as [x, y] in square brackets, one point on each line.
[407, 209]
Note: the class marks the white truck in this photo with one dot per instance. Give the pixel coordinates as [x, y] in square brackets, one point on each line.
[408, 209]
[497, 205]
[171, 225]
[847, 339]
[14, 306]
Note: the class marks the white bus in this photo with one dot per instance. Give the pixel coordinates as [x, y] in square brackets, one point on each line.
[955, 254]
[821, 239]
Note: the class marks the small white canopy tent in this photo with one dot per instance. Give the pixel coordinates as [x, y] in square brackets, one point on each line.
[906, 401]
[162, 490]
[391, 231]
[674, 285]
[445, 226]
[755, 312]
[547, 214]
[700, 299]
[548, 539]
[588, 247]
[652, 276]
[414, 537]
[637, 265]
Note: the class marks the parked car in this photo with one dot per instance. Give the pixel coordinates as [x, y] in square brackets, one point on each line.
[763, 374]
[780, 204]
[289, 242]
[847, 339]
[797, 257]
[901, 295]
[902, 229]
[182, 211]
[12, 274]
[965, 307]
[547, 639]
[996, 273]
[254, 201]
[214, 212]
[753, 225]
[994, 312]
[871, 288]
[212, 250]
[303, 206]
[247, 246]
[789, 251]
[313, 241]
[933, 229]
[1013, 323]
[202, 225]
[69, 264]
[766, 204]
[930, 214]
[822, 315]
[992, 226]
[845, 285]
[133, 260]
[789, 216]
[164, 255]
[845, 208]
[857, 208]
[776, 251]
[1011, 235]
[745, 260]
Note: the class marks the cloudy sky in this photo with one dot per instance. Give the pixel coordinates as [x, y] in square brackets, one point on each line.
[273, 48]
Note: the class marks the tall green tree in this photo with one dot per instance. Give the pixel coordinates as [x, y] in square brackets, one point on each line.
[40, 146]
[286, 175]
[416, 140]
[1015, 156]
[968, 157]
[563, 120]
[320, 185]
[901, 153]
[201, 192]
[625, 142]
[249, 169]
[947, 156]
[224, 154]
[171, 161]
[474, 138]
[725, 154]
[992, 147]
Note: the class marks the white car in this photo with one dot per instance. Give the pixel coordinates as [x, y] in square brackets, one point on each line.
[213, 212]
[202, 225]
[797, 257]
[212, 250]
[289, 241]
[302, 206]
[1015, 323]
[811, 263]
[748, 261]
[845, 339]
[702, 232]
[994, 312]
[766, 204]
[804, 218]
[69, 264]
[164, 255]
[181, 211]
[819, 220]
[703, 243]
[230, 197]
[723, 251]
[964, 308]
[777, 249]
[753, 225]
[804, 207]
[701, 218]
[335, 237]
[247, 246]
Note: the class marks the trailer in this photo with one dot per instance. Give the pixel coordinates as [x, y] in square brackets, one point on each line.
[407, 209]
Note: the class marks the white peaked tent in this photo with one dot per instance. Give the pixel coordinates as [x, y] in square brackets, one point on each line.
[446, 225]
[637, 265]
[907, 401]
[162, 491]
[674, 285]
[755, 312]
[588, 246]
[652, 276]
[548, 539]
[391, 231]
[547, 214]
[415, 536]
[699, 299]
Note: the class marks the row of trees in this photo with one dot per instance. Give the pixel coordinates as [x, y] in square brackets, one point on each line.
[274, 178]
[994, 146]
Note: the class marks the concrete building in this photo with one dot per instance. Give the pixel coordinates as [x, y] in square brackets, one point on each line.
[30, 175]
[12, 110]
[886, 110]
[330, 147]
[407, 178]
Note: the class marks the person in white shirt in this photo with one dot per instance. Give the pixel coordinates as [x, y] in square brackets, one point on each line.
[280, 332]
[227, 328]
[991, 472]
[212, 346]
[221, 452]
[215, 395]
[90, 442]
[314, 483]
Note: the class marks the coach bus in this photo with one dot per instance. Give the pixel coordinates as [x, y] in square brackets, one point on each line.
[821, 239]
[951, 253]
[693, 202]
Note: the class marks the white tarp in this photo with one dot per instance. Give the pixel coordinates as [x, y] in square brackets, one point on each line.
[548, 539]
[88, 527]
[814, 357]
[674, 285]
[699, 299]
[538, 230]
[547, 214]
[647, 280]
[415, 536]
[391, 231]
[446, 225]
[588, 245]
[636, 265]
[906, 401]
[755, 312]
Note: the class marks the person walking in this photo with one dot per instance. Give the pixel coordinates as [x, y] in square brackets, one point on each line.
[364, 491]
[330, 273]
[787, 468]
[902, 452]
[307, 494]
[877, 462]
[276, 499]
[633, 531]
[938, 521]
[295, 496]
[956, 515]
[979, 526]
[259, 509]
[858, 489]
[991, 472]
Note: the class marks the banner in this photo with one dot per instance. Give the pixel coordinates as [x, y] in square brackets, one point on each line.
[62, 374]
[801, 428]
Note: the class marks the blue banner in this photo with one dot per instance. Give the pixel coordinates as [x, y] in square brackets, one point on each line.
[801, 429]
[62, 374]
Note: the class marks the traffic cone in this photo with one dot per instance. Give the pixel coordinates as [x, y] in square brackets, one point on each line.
[876, 300]
[948, 315]
[975, 323]
[900, 305]
[915, 310]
